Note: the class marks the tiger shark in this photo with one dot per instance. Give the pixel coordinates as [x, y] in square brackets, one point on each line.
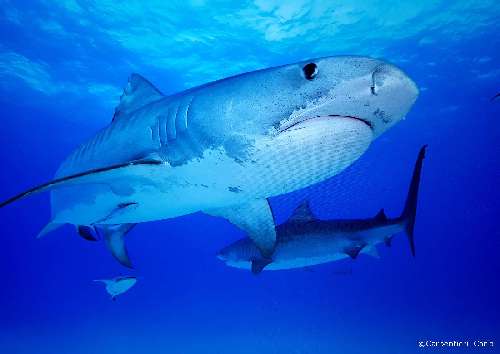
[224, 147]
[305, 240]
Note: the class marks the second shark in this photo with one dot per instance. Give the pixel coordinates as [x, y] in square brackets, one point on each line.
[304, 240]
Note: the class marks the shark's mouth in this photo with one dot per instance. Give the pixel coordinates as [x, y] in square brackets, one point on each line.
[332, 116]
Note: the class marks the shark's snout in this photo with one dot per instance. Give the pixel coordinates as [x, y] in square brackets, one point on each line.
[393, 94]
[390, 75]
[369, 90]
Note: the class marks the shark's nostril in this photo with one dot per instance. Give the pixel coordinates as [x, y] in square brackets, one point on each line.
[386, 76]
[379, 75]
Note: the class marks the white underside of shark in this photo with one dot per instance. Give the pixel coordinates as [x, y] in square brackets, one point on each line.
[299, 157]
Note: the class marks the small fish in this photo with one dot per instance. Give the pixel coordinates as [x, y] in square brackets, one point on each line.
[497, 96]
[118, 285]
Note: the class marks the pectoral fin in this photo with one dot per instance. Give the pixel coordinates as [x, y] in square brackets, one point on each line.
[114, 237]
[256, 219]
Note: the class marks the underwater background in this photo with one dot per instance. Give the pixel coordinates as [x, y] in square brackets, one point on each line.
[62, 68]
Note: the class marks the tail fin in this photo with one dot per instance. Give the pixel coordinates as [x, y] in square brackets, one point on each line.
[410, 209]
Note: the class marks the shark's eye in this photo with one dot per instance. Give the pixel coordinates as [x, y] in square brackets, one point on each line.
[310, 71]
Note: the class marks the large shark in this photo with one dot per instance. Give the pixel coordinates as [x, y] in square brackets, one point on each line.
[223, 148]
[305, 240]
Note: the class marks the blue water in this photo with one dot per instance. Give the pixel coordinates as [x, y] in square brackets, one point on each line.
[62, 66]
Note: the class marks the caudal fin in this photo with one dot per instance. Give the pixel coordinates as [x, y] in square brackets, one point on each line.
[410, 209]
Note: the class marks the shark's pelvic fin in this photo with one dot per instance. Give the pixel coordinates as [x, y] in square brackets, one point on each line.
[97, 175]
[51, 226]
[138, 93]
[87, 232]
[256, 219]
[114, 236]
[302, 213]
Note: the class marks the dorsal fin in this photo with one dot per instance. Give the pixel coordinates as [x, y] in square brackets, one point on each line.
[138, 92]
[302, 213]
[381, 215]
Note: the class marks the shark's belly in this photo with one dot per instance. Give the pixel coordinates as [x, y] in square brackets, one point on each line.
[303, 262]
[307, 250]
[303, 155]
[299, 252]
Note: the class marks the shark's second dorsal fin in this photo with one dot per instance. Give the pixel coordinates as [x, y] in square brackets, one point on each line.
[138, 93]
[302, 213]
[381, 215]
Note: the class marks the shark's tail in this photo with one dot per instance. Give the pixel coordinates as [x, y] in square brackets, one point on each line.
[408, 215]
